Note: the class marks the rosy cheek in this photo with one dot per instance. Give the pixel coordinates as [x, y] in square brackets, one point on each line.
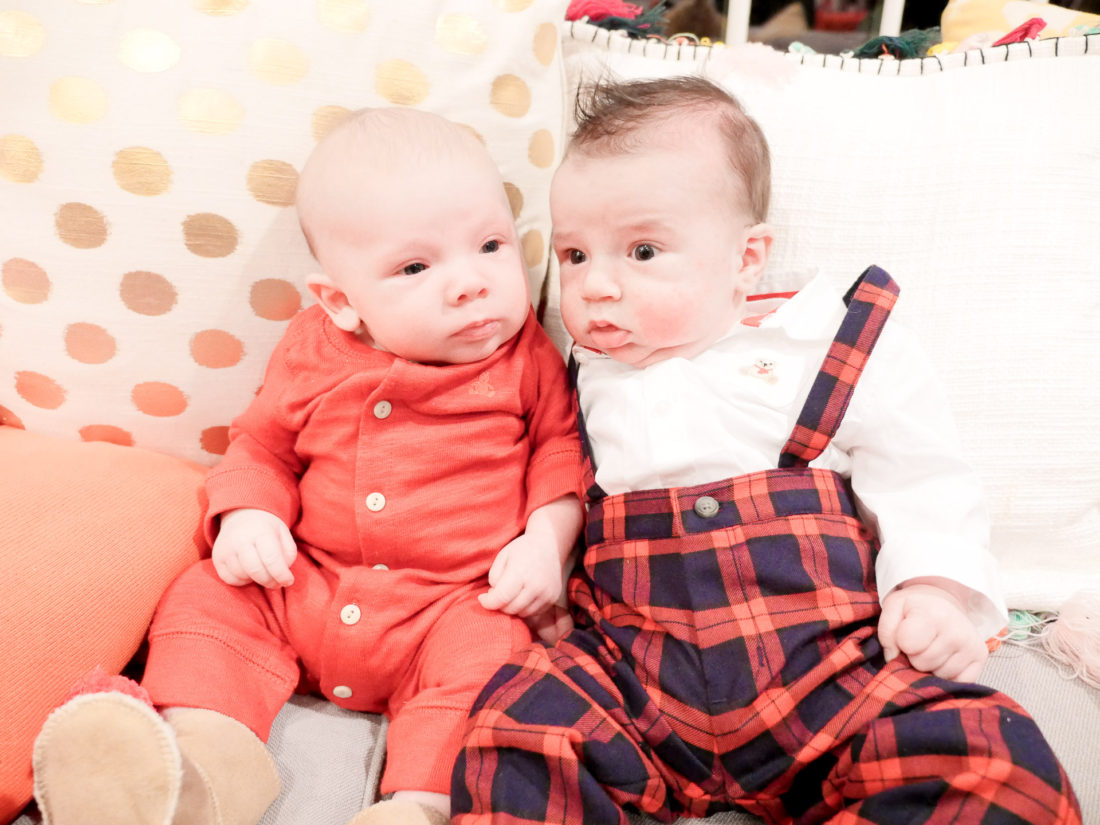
[664, 321]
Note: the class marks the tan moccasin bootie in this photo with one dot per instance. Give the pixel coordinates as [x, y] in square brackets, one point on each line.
[111, 758]
[399, 812]
[106, 757]
[229, 777]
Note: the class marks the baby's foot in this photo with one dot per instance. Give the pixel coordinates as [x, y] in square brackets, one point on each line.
[106, 757]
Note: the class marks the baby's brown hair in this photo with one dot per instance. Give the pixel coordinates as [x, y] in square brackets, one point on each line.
[611, 116]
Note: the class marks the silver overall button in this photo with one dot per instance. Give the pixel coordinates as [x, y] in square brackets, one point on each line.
[706, 507]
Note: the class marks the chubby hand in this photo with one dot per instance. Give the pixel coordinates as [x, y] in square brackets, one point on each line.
[254, 546]
[929, 625]
[551, 624]
[525, 578]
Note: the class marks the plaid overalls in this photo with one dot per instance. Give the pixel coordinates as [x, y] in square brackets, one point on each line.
[725, 655]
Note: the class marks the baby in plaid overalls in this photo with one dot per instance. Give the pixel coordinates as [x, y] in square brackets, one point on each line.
[786, 590]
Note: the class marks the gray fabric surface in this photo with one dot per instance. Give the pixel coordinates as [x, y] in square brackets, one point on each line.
[330, 764]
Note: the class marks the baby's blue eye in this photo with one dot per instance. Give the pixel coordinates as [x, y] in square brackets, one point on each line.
[413, 269]
[576, 256]
[490, 247]
[644, 252]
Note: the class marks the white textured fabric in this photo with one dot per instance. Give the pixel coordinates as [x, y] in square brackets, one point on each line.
[729, 411]
[974, 179]
[329, 759]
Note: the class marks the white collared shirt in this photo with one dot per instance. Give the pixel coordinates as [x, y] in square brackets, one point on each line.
[730, 409]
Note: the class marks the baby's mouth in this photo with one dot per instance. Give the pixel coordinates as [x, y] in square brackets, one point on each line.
[607, 336]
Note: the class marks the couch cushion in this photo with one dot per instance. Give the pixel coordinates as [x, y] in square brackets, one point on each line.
[148, 159]
[972, 179]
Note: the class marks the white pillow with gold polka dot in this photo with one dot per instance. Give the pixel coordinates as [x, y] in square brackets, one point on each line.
[149, 152]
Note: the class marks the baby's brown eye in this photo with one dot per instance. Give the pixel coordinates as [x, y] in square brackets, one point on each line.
[576, 256]
[490, 247]
[644, 252]
[413, 269]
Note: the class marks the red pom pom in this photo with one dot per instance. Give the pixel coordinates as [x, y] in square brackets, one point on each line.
[100, 681]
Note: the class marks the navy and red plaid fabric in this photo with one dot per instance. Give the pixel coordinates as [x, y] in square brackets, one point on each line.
[725, 656]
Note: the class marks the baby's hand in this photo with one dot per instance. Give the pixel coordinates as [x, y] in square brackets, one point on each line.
[929, 625]
[551, 624]
[254, 546]
[525, 578]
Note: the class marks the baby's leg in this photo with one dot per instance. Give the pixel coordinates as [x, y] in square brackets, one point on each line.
[969, 753]
[109, 757]
[548, 742]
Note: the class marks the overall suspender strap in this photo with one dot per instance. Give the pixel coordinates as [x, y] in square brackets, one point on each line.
[593, 491]
[869, 302]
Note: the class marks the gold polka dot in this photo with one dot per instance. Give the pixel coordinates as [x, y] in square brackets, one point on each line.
[533, 248]
[108, 433]
[20, 160]
[39, 390]
[81, 225]
[344, 15]
[400, 82]
[510, 96]
[148, 50]
[546, 43]
[210, 111]
[21, 34]
[89, 343]
[10, 419]
[540, 151]
[273, 182]
[215, 440]
[513, 5]
[220, 8]
[460, 34]
[25, 281]
[515, 198]
[142, 171]
[147, 293]
[274, 299]
[216, 349]
[277, 61]
[327, 118]
[78, 100]
[209, 235]
[159, 399]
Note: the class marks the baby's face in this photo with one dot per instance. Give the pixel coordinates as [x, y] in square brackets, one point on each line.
[431, 262]
[650, 244]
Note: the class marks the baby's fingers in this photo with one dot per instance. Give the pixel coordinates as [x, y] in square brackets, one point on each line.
[266, 563]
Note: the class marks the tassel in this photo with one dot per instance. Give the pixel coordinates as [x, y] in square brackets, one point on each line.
[1073, 637]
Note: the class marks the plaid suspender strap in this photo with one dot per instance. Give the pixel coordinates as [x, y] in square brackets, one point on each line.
[869, 302]
[593, 491]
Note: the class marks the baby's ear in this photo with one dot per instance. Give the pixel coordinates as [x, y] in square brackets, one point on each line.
[754, 258]
[333, 300]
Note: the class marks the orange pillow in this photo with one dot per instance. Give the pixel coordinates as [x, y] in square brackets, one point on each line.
[90, 536]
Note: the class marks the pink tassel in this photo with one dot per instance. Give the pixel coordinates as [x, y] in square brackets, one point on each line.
[1073, 637]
